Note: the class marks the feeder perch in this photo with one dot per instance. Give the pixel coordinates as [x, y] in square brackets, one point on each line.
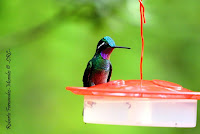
[126, 102]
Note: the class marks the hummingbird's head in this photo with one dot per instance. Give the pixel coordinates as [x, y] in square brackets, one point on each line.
[105, 47]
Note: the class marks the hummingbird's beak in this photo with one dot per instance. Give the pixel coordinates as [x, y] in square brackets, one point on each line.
[121, 47]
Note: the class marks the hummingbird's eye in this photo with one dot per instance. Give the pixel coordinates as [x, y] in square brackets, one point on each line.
[102, 45]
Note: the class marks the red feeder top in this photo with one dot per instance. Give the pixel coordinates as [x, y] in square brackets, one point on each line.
[132, 88]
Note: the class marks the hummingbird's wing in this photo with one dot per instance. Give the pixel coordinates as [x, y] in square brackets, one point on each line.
[87, 73]
[110, 73]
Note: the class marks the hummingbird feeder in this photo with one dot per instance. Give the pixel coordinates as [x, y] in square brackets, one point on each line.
[139, 102]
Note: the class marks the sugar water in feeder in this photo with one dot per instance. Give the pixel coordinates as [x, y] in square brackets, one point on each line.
[139, 102]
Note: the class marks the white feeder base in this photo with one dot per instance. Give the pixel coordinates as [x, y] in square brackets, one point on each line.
[140, 111]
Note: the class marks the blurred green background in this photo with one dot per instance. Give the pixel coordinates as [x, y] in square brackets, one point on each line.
[52, 40]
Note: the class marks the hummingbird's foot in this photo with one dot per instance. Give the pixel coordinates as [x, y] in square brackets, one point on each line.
[129, 105]
[90, 104]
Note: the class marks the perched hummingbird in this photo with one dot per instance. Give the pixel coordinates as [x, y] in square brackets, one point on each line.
[99, 68]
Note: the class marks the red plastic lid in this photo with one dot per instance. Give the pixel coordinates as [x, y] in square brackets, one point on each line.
[132, 88]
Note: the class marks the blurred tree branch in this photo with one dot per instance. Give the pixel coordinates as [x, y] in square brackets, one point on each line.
[29, 35]
[94, 11]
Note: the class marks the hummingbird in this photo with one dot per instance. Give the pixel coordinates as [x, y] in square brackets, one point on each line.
[99, 68]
